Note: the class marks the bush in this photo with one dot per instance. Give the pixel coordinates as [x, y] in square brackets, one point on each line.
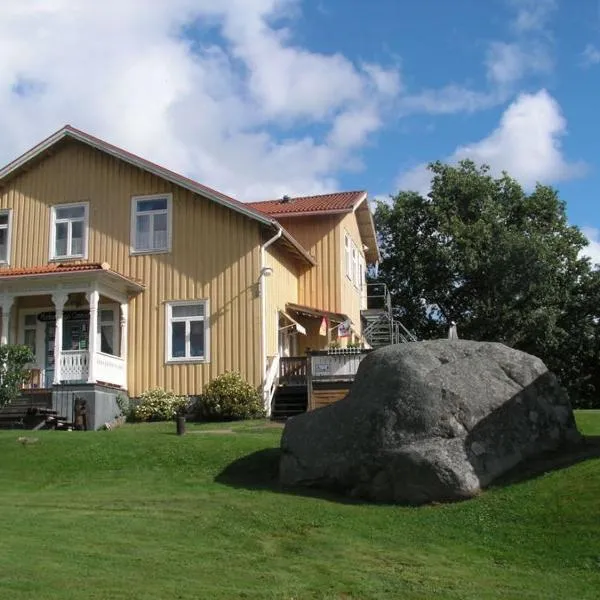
[158, 405]
[124, 404]
[13, 371]
[229, 398]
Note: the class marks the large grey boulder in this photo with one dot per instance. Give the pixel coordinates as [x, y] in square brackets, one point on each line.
[429, 421]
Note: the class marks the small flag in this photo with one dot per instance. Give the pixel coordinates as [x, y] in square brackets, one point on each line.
[344, 329]
[323, 328]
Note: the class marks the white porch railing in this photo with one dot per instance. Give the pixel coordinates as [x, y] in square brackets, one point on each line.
[74, 365]
[110, 369]
[270, 382]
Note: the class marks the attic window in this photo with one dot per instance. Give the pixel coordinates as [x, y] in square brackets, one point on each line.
[4, 236]
[69, 231]
[151, 221]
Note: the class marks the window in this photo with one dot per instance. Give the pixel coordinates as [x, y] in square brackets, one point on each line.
[355, 273]
[69, 231]
[347, 247]
[107, 329]
[187, 331]
[30, 332]
[5, 223]
[151, 223]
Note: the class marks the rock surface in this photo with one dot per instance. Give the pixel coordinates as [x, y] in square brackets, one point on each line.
[429, 421]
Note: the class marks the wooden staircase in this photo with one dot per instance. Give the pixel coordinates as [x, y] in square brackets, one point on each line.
[32, 410]
[289, 401]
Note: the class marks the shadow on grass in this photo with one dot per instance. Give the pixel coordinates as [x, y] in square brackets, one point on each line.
[548, 462]
[260, 471]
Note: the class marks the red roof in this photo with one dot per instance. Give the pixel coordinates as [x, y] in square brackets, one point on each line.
[53, 268]
[58, 268]
[302, 205]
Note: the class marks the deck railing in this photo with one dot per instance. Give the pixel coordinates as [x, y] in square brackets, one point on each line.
[378, 297]
[293, 370]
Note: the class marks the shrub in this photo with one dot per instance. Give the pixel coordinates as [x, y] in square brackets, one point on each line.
[13, 371]
[124, 404]
[158, 405]
[229, 398]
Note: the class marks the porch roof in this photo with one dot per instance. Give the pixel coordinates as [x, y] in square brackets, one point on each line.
[317, 312]
[53, 270]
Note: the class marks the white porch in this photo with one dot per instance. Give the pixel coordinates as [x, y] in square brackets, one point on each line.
[75, 322]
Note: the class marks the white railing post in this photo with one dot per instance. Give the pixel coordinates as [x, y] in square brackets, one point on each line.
[59, 300]
[93, 298]
[124, 336]
[6, 302]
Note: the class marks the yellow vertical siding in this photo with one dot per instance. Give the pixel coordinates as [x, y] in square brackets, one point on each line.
[280, 288]
[350, 295]
[215, 256]
[319, 286]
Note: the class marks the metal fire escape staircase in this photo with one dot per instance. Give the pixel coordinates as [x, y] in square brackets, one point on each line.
[380, 328]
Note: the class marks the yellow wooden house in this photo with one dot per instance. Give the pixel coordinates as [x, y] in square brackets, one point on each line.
[123, 276]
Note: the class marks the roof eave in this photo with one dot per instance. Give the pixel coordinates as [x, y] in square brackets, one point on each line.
[70, 132]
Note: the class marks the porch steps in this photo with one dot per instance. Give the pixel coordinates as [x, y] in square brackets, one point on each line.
[289, 401]
[26, 412]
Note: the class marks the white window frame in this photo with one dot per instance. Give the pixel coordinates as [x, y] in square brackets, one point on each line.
[134, 213]
[169, 359]
[8, 227]
[348, 255]
[53, 223]
[114, 308]
[355, 267]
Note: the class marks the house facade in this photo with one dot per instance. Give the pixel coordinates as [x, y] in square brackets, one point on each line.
[123, 276]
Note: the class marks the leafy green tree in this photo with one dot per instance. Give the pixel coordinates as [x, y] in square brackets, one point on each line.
[13, 371]
[505, 265]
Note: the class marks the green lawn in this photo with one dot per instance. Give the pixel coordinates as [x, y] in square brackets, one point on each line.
[141, 513]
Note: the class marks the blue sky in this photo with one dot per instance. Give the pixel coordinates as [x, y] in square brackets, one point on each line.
[259, 98]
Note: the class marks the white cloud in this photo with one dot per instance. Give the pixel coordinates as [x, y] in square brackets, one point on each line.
[207, 104]
[593, 248]
[590, 56]
[530, 52]
[526, 144]
[511, 62]
[532, 15]
[450, 99]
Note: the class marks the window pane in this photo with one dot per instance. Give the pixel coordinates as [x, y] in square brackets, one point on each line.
[106, 315]
[149, 205]
[3, 219]
[106, 339]
[178, 339]
[3, 244]
[77, 237]
[160, 232]
[61, 239]
[73, 212]
[188, 310]
[197, 338]
[30, 339]
[143, 232]
[30, 320]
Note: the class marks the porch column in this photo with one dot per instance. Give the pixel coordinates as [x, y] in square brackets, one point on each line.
[6, 302]
[93, 297]
[59, 300]
[124, 330]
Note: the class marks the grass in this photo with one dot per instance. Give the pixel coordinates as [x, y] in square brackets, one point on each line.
[141, 513]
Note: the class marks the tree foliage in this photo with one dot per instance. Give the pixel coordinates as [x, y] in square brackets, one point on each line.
[13, 371]
[504, 264]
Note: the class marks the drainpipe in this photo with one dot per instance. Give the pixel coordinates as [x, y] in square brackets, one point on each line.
[263, 304]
